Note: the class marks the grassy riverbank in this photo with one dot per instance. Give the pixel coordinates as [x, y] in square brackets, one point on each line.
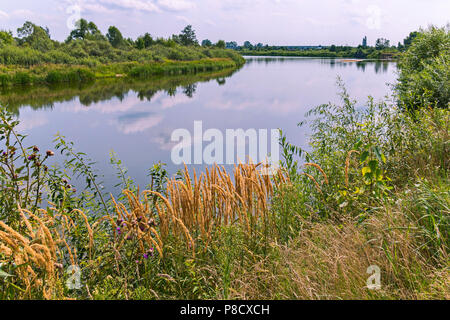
[34, 58]
[353, 53]
[60, 73]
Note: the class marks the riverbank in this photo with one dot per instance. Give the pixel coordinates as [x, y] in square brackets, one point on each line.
[61, 73]
[351, 54]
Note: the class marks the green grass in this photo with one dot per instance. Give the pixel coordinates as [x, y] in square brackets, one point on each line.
[53, 74]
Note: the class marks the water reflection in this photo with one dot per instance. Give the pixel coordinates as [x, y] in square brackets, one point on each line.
[361, 65]
[45, 97]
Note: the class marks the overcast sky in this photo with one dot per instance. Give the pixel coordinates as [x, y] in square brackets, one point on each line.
[282, 22]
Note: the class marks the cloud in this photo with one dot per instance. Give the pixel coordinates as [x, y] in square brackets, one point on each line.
[138, 122]
[176, 5]
[4, 14]
[141, 5]
[107, 6]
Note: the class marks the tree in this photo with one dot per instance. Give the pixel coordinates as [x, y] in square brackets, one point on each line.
[409, 39]
[221, 44]
[206, 43]
[85, 30]
[364, 42]
[144, 41]
[248, 45]
[188, 37]
[6, 38]
[34, 36]
[333, 48]
[382, 43]
[232, 45]
[148, 40]
[424, 71]
[115, 37]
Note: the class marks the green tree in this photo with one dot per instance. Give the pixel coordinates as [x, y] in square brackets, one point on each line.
[409, 39]
[85, 30]
[382, 43]
[221, 44]
[115, 37]
[248, 45]
[424, 72]
[35, 36]
[206, 43]
[6, 38]
[188, 37]
[364, 42]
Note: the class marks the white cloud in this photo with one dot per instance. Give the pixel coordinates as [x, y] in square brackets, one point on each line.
[176, 5]
[3, 14]
[132, 4]
[138, 122]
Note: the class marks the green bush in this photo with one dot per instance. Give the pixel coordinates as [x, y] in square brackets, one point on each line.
[424, 79]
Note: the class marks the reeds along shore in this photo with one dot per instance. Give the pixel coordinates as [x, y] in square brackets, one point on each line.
[56, 73]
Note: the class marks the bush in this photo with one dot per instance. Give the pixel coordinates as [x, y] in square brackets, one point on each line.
[424, 79]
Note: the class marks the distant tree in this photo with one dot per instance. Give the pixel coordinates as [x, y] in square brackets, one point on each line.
[382, 43]
[144, 41]
[333, 48]
[188, 37]
[232, 45]
[248, 45]
[221, 44]
[409, 39]
[148, 40]
[85, 30]
[140, 44]
[34, 36]
[81, 30]
[259, 46]
[6, 38]
[360, 54]
[206, 43]
[115, 37]
[364, 42]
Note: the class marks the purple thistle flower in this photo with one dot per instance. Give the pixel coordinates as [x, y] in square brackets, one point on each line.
[145, 256]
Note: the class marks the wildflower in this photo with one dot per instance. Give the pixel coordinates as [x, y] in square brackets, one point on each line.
[50, 153]
[119, 230]
[151, 223]
[145, 256]
[32, 157]
[35, 149]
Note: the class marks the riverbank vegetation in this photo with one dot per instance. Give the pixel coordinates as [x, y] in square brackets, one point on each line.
[372, 190]
[33, 57]
[382, 50]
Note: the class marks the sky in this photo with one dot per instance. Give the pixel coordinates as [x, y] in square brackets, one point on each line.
[274, 22]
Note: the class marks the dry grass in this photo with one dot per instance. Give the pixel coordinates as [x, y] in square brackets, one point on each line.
[199, 205]
[328, 261]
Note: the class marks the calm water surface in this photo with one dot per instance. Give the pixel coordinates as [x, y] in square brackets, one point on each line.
[136, 120]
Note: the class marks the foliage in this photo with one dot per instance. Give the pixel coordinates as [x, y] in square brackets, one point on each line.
[424, 71]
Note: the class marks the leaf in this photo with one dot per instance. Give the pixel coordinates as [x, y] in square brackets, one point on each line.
[365, 171]
[373, 164]
[3, 274]
[364, 156]
[379, 155]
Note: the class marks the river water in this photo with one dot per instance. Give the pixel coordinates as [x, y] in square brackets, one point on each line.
[137, 119]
